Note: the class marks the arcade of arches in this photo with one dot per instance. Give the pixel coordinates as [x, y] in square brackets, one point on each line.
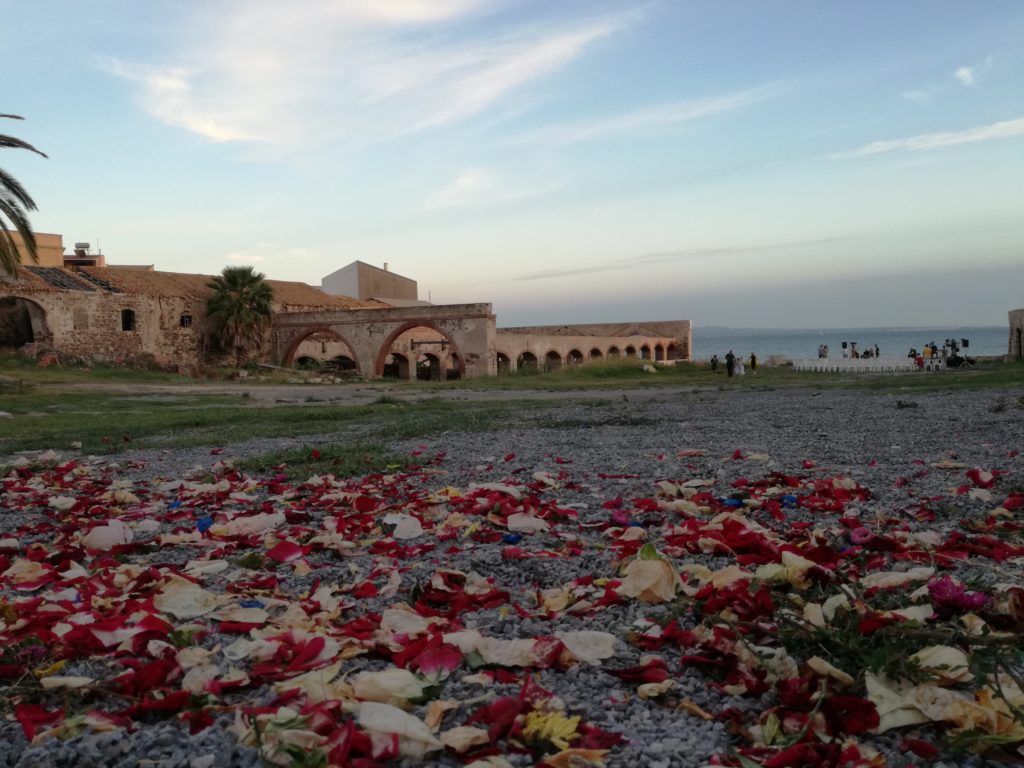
[118, 315]
[439, 343]
[423, 342]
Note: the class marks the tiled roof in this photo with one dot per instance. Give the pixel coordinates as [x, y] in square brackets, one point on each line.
[60, 278]
[171, 285]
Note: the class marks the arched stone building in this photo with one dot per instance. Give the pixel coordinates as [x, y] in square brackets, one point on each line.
[78, 305]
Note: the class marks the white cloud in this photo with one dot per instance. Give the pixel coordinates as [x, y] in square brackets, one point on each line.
[921, 95]
[467, 187]
[168, 95]
[649, 119]
[965, 75]
[968, 76]
[1005, 129]
[476, 187]
[353, 71]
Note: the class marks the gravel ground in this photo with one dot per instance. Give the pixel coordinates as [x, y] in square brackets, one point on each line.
[592, 453]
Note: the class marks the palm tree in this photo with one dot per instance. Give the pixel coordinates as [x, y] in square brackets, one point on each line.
[15, 203]
[239, 311]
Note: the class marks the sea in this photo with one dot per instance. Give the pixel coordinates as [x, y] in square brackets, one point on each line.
[803, 343]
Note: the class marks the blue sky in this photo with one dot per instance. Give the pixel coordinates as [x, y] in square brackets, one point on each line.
[782, 163]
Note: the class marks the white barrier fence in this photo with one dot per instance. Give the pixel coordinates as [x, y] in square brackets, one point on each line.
[862, 365]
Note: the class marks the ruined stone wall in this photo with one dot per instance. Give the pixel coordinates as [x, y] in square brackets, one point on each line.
[588, 348]
[90, 325]
[370, 334]
[679, 330]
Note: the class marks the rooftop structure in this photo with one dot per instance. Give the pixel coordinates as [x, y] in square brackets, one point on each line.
[364, 281]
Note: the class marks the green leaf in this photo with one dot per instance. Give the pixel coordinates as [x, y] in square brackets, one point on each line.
[771, 729]
[649, 552]
[251, 560]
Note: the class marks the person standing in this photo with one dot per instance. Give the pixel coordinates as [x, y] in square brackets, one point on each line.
[730, 363]
[753, 363]
[714, 363]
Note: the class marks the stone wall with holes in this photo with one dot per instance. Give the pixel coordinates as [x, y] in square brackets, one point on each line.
[675, 333]
[516, 350]
[105, 327]
[463, 333]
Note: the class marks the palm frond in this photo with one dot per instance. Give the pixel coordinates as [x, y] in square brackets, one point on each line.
[10, 185]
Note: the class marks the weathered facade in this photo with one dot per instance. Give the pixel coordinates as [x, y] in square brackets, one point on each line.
[550, 347]
[111, 314]
[458, 334]
[1015, 347]
[118, 314]
[365, 281]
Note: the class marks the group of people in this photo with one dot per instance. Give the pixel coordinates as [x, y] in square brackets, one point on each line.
[928, 351]
[853, 352]
[734, 365]
[850, 351]
[933, 357]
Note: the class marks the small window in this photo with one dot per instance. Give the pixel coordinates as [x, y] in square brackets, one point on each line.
[127, 319]
[185, 321]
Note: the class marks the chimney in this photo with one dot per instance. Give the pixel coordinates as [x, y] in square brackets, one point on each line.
[385, 266]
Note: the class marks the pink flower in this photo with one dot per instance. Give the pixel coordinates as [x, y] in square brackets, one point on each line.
[949, 594]
[860, 535]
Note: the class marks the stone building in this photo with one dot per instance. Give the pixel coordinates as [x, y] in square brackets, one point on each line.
[115, 314]
[75, 305]
[551, 347]
[367, 282]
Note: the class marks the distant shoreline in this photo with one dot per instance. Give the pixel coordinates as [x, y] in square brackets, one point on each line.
[982, 341]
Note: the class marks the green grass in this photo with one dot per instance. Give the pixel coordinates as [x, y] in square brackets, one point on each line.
[48, 414]
[629, 374]
[15, 369]
[109, 424]
[339, 460]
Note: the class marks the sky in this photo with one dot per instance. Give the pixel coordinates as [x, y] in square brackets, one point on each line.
[772, 163]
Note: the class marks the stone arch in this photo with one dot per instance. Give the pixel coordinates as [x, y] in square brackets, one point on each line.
[453, 369]
[645, 352]
[503, 362]
[344, 363]
[552, 361]
[672, 352]
[527, 361]
[428, 367]
[293, 347]
[613, 353]
[596, 354]
[385, 348]
[22, 322]
[575, 357]
[630, 351]
[659, 352]
[397, 368]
